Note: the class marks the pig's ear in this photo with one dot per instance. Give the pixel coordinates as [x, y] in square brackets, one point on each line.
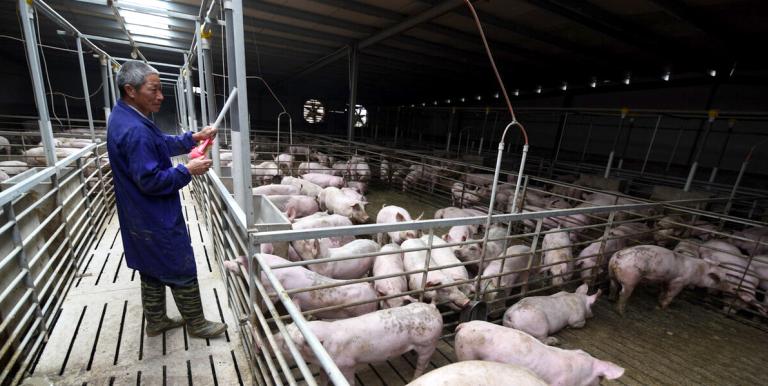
[583, 289]
[291, 213]
[316, 246]
[399, 217]
[357, 206]
[593, 298]
[433, 283]
[609, 370]
[463, 238]
[445, 237]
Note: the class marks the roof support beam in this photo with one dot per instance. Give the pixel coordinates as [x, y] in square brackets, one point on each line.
[405, 25]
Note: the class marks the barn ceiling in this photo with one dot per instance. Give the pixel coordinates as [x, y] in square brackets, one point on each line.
[535, 42]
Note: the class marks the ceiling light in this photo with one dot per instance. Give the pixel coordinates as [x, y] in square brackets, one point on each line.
[593, 82]
[434, 103]
[628, 79]
[713, 73]
[666, 76]
[496, 95]
[61, 32]
[148, 31]
[564, 86]
[538, 90]
[147, 20]
[448, 101]
[462, 99]
[423, 104]
[517, 92]
[145, 3]
[412, 105]
[479, 97]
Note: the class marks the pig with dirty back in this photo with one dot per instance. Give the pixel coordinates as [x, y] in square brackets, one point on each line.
[558, 256]
[541, 316]
[480, 340]
[651, 263]
[390, 214]
[415, 260]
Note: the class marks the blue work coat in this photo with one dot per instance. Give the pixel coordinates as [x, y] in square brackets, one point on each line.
[155, 237]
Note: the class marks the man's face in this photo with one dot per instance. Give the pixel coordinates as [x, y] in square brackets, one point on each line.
[149, 96]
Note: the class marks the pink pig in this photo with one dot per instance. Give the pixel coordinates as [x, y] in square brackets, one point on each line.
[323, 180]
[392, 214]
[479, 340]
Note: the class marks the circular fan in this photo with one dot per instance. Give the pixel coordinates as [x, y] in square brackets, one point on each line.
[361, 116]
[314, 111]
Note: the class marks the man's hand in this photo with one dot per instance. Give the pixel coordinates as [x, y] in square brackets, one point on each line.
[205, 133]
[199, 166]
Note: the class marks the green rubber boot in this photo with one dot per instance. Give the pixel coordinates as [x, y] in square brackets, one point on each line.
[153, 302]
[191, 309]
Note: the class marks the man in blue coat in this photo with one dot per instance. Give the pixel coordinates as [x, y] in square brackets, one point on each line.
[154, 233]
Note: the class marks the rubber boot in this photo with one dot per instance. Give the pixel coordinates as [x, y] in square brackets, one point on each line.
[191, 309]
[153, 302]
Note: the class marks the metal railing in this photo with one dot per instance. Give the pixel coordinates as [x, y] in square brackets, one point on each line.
[52, 217]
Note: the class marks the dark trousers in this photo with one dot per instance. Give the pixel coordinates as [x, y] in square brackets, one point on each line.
[170, 282]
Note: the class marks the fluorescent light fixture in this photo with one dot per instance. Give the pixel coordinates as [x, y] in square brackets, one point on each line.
[517, 92]
[463, 99]
[713, 73]
[593, 82]
[412, 105]
[448, 101]
[434, 103]
[628, 79]
[666, 76]
[423, 104]
[538, 90]
[479, 97]
[564, 86]
[143, 19]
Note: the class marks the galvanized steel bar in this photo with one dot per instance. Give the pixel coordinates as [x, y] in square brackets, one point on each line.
[86, 93]
[650, 145]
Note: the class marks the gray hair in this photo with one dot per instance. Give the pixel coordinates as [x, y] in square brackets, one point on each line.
[133, 72]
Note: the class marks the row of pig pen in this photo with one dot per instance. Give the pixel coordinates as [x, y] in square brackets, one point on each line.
[598, 231]
[52, 217]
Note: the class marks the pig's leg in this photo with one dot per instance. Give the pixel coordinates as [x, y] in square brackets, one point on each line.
[423, 354]
[614, 289]
[551, 341]
[626, 292]
[673, 288]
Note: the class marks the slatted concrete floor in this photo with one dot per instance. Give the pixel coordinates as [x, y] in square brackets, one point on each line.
[99, 338]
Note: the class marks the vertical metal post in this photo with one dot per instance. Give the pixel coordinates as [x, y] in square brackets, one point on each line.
[44, 120]
[650, 145]
[86, 94]
[493, 133]
[674, 148]
[112, 88]
[534, 245]
[586, 141]
[397, 124]
[105, 87]
[450, 130]
[241, 154]
[731, 123]
[482, 134]
[559, 144]
[692, 173]
[182, 101]
[353, 62]
[210, 94]
[626, 143]
[201, 69]
[736, 186]
[608, 166]
[187, 71]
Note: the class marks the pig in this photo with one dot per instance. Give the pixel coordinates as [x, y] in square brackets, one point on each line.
[416, 260]
[493, 248]
[300, 206]
[389, 264]
[373, 337]
[321, 158]
[343, 269]
[276, 189]
[478, 340]
[461, 195]
[299, 150]
[458, 234]
[323, 180]
[354, 194]
[652, 263]
[5, 145]
[285, 163]
[588, 258]
[486, 373]
[338, 203]
[299, 277]
[541, 316]
[515, 261]
[265, 172]
[558, 257]
[13, 168]
[360, 187]
[454, 212]
[303, 247]
[385, 173]
[280, 200]
[341, 169]
[305, 187]
[443, 256]
[478, 179]
[730, 258]
[3, 176]
[688, 247]
[757, 243]
[36, 155]
[703, 230]
[390, 214]
[668, 230]
[314, 167]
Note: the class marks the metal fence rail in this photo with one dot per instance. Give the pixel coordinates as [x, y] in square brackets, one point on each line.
[52, 217]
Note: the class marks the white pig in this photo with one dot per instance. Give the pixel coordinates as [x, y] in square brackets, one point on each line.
[558, 257]
[415, 260]
[443, 256]
[305, 187]
[390, 264]
[339, 203]
[300, 206]
[360, 187]
[541, 316]
[485, 373]
[314, 167]
[652, 263]
[285, 163]
[589, 256]
[374, 337]
[343, 269]
[514, 264]
[276, 189]
[323, 180]
[479, 340]
[393, 214]
[493, 248]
